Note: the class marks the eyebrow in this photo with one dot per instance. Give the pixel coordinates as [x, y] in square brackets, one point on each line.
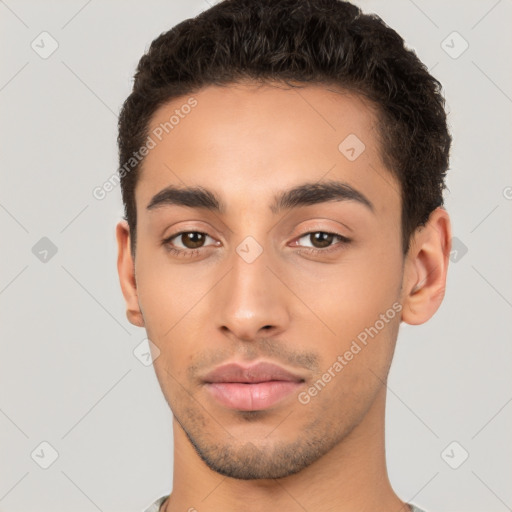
[302, 195]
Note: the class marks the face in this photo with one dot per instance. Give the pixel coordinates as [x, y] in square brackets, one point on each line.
[309, 280]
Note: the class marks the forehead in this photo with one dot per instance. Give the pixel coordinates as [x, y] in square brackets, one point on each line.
[246, 142]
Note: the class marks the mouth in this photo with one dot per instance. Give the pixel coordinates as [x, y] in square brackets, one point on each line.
[251, 388]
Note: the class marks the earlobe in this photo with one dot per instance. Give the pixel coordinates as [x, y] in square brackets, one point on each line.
[426, 266]
[126, 271]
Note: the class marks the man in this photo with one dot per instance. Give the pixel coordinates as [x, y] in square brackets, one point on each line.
[282, 169]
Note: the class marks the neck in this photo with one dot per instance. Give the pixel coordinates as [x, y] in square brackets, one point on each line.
[352, 476]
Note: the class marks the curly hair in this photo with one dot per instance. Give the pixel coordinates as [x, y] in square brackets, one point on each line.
[302, 42]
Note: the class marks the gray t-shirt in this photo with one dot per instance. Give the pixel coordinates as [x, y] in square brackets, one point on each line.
[155, 506]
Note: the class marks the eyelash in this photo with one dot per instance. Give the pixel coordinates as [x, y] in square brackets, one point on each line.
[311, 250]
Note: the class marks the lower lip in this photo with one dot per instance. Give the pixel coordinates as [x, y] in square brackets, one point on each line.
[251, 397]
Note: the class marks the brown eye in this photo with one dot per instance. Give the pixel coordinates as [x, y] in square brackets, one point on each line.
[322, 242]
[320, 239]
[192, 239]
[186, 242]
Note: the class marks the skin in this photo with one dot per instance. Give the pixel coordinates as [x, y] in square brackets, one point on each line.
[289, 306]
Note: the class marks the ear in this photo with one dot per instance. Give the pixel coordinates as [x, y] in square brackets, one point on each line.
[126, 271]
[426, 265]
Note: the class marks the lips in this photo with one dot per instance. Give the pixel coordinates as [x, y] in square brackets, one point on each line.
[251, 388]
[260, 372]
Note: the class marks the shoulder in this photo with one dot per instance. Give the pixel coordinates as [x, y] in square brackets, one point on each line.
[415, 508]
[155, 506]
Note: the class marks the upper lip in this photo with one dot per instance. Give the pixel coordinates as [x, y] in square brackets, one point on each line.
[259, 372]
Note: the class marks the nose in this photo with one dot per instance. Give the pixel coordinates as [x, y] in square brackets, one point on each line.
[253, 302]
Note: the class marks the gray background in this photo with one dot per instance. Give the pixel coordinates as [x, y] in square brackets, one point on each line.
[68, 374]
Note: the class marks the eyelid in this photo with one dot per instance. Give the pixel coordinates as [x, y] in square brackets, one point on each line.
[183, 232]
[320, 226]
[343, 241]
[339, 235]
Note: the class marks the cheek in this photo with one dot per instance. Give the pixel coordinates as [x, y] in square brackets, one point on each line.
[172, 299]
[165, 292]
[358, 315]
[352, 372]
[343, 299]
